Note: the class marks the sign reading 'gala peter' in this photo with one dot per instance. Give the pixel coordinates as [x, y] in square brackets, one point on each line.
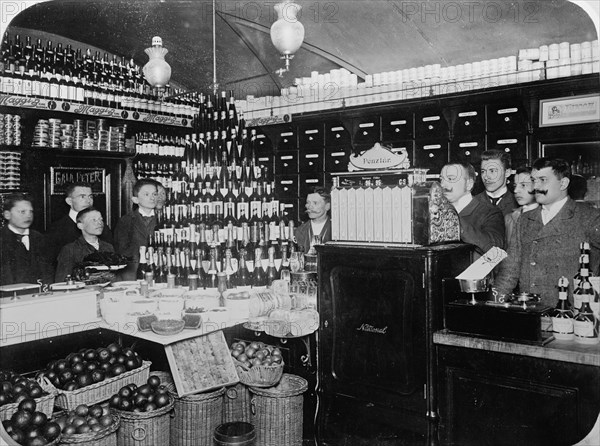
[379, 158]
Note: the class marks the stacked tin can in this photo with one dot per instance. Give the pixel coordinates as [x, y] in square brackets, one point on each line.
[10, 130]
[78, 133]
[40, 133]
[66, 136]
[10, 170]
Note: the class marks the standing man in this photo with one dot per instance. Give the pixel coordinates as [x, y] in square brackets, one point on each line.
[78, 196]
[318, 204]
[22, 250]
[91, 224]
[481, 223]
[524, 196]
[495, 170]
[546, 241]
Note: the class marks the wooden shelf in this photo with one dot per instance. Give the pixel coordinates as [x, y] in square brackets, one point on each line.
[91, 110]
[68, 153]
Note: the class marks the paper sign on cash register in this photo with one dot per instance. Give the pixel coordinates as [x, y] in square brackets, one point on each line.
[484, 264]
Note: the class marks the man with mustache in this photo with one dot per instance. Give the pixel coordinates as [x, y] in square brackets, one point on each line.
[318, 204]
[495, 170]
[545, 243]
[481, 223]
[524, 196]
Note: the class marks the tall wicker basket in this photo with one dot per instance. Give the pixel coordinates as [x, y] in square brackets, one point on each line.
[196, 417]
[145, 428]
[277, 412]
[236, 404]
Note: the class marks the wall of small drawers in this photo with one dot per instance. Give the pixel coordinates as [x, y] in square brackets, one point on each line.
[305, 152]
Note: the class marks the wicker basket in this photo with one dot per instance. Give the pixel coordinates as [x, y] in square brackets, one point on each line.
[43, 404]
[101, 391]
[277, 413]
[145, 428]
[166, 379]
[236, 404]
[106, 436]
[259, 375]
[196, 417]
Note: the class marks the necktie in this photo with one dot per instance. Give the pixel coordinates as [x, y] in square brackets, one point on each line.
[495, 200]
[21, 239]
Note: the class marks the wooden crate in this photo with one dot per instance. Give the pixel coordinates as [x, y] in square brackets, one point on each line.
[200, 364]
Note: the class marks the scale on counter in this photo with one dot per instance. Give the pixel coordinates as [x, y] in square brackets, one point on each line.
[18, 289]
[475, 312]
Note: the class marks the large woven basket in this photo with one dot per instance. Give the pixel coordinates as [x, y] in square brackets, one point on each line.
[236, 404]
[106, 436]
[99, 392]
[145, 428]
[196, 417]
[259, 375]
[166, 379]
[43, 404]
[277, 412]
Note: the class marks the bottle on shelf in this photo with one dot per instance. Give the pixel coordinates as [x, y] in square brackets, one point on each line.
[582, 277]
[562, 316]
[244, 278]
[271, 273]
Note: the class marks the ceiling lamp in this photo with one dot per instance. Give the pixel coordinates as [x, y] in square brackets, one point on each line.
[287, 33]
[157, 71]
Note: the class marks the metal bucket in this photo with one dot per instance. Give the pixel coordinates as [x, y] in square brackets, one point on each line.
[474, 285]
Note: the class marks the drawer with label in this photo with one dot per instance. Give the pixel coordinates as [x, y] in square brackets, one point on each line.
[286, 185]
[514, 144]
[310, 136]
[431, 124]
[336, 134]
[396, 126]
[367, 130]
[287, 138]
[469, 121]
[308, 181]
[507, 116]
[467, 150]
[432, 155]
[311, 160]
[286, 162]
[337, 158]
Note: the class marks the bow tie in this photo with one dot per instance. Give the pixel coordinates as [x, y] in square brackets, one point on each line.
[21, 240]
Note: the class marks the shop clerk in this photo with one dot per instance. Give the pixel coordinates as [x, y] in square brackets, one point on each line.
[22, 250]
[318, 204]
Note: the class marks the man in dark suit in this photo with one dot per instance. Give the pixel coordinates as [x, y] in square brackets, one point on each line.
[78, 196]
[133, 229]
[91, 224]
[22, 250]
[481, 223]
[318, 204]
[495, 170]
[545, 243]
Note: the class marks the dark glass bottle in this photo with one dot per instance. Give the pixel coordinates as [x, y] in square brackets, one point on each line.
[562, 316]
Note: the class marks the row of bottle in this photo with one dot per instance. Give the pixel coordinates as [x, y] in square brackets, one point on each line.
[585, 167]
[51, 72]
[182, 267]
[580, 321]
[210, 149]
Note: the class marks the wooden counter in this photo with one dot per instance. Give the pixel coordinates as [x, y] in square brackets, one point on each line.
[497, 392]
[567, 351]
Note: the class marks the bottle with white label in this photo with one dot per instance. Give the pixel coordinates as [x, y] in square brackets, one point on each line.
[562, 316]
[585, 325]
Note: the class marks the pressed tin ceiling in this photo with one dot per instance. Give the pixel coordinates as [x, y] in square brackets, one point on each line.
[364, 37]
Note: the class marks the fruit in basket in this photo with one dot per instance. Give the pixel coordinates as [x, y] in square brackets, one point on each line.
[89, 366]
[84, 419]
[15, 388]
[30, 427]
[255, 353]
[145, 398]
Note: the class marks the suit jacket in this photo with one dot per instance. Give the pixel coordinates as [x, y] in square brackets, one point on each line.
[304, 234]
[18, 265]
[132, 231]
[506, 205]
[482, 225]
[63, 231]
[538, 254]
[73, 253]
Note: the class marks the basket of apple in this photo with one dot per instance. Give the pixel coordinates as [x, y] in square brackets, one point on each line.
[257, 364]
[14, 388]
[89, 425]
[28, 426]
